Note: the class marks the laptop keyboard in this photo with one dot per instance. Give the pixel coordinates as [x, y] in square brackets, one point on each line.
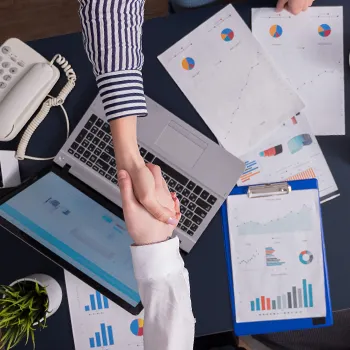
[93, 147]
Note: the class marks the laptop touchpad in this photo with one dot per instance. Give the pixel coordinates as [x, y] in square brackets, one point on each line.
[180, 144]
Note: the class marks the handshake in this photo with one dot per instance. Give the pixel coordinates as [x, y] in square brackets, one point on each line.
[151, 212]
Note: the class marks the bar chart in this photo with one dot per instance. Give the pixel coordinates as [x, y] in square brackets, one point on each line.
[97, 302]
[271, 259]
[102, 338]
[296, 298]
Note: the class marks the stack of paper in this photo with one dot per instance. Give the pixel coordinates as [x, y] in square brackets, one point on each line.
[251, 103]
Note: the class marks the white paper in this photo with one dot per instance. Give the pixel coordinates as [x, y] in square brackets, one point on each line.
[233, 85]
[288, 155]
[269, 238]
[312, 61]
[9, 170]
[86, 323]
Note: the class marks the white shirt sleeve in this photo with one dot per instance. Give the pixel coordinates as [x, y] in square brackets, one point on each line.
[165, 293]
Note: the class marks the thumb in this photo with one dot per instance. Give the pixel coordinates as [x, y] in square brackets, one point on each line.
[126, 189]
[280, 5]
[161, 213]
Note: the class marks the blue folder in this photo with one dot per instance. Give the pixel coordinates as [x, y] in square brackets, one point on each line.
[263, 327]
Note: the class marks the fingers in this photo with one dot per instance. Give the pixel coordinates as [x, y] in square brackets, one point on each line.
[157, 174]
[159, 212]
[280, 5]
[126, 189]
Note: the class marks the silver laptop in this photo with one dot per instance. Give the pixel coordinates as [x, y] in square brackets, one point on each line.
[197, 169]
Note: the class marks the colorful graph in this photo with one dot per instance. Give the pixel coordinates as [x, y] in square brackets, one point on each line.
[103, 338]
[97, 302]
[276, 31]
[271, 259]
[294, 121]
[271, 152]
[297, 298]
[306, 257]
[303, 175]
[136, 327]
[227, 34]
[251, 169]
[188, 63]
[324, 30]
[290, 223]
[298, 142]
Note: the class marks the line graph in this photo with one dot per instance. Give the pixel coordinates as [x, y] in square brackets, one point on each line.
[290, 223]
[249, 260]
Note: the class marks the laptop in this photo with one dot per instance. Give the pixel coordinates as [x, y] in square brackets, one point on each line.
[71, 212]
[200, 172]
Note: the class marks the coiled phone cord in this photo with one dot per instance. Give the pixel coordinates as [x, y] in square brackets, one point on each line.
[45, 108]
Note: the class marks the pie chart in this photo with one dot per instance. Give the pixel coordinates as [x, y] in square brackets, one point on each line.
[306, 257]
[227, 34]
[324, 30]
[276, 31]
[136, 327]
[188, 63]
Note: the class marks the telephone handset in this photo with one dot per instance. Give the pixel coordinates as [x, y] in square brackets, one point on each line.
[26, 78]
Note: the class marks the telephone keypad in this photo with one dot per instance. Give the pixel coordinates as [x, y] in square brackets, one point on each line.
[2, 85]
[6, 64]
[13, 70]
[7, 77]
[6, 50]
[21, 63]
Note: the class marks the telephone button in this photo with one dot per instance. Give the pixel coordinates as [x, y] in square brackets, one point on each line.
[13, 70]
[21, 63]
[2, 85]
[13, 58]
[6, 64]
[6, 50]
[7, 77]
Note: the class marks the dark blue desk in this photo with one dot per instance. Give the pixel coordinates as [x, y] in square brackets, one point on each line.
[206, 263]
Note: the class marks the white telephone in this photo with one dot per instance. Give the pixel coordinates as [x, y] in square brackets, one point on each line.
[26, 78]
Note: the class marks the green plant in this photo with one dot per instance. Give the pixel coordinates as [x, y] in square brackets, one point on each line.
[22, 305]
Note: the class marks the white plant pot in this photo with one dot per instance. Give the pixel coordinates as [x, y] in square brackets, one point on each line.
[53, 289]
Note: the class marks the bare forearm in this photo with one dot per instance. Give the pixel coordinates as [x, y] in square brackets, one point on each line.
[124, 132]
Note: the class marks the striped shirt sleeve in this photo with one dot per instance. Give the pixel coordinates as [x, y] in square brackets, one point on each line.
[112, 35]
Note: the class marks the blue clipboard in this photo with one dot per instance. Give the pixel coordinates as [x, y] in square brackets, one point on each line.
[263, 327]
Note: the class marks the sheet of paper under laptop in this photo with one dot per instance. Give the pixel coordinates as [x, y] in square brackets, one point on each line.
[291, 153]
[231, 81]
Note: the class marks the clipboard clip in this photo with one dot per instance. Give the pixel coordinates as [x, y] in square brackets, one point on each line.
[268, 190]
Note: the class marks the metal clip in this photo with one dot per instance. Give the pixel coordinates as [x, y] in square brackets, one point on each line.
[269, 190]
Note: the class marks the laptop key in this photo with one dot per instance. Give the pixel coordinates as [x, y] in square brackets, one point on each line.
[112, 163]
[95, 141]
[89, 136]
[190, 232]
[184, 228]
[191, 206]
[212, 200]
[108, 177]
[88, 163]
[188, 214]
[87, 154]
[85, 143]
[182, 209]
[82, 159]
[197, 190]
[192, 197]
[186, 192]
[102, 164]
[187, 223]
[166, 177]
[102, 144]
[185, 201]
[114, 181]
[200, 212]
[191, 185]
[70, 151]
[200, 202]
[106, 138]
[99, 122]
[89, 124]
[104, 156]
[74, 145]
[179, 196]
[77, 155]
[105, 127]
[100, 134]
[101, 172]
[97, 151]
[94, 130]
[91, 147]
[80, 149]
[149, 157]
[179, 188]
[142, 151]
[194, 227]
[93, 118]
[81, 135]
[95, 168]
[112, 171]
[172, 183]
[197, 220]
[182, 219]
[110, 151]
[171, 172]
[93, 158]
[204, 195]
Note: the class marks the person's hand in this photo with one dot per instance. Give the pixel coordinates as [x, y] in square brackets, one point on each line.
[142, 226]
[293, 6]
[146, 181]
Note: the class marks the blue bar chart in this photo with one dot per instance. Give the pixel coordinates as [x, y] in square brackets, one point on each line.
[296, 298]
[97, 302]
[103, 338]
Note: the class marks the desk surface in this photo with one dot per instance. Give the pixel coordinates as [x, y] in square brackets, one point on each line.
[206, 263]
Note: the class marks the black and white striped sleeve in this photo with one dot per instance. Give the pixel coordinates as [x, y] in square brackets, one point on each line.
[112, 34]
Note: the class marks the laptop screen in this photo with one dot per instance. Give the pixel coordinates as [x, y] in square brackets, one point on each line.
[79, 230]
